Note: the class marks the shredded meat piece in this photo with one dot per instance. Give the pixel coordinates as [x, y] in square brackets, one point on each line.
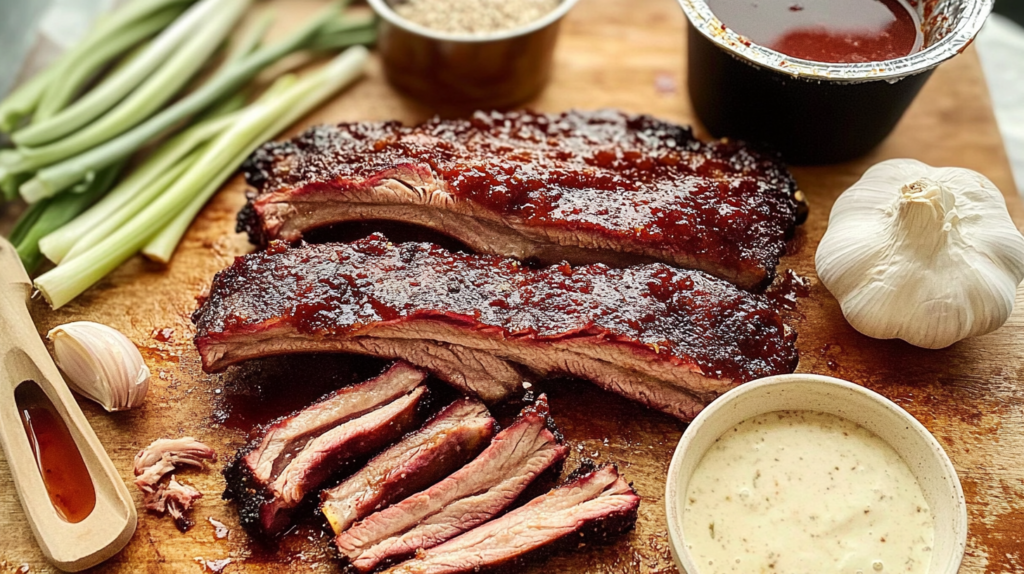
[173, 498]
[161, 458]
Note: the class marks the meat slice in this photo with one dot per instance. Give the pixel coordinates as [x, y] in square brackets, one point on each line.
[472, 495]
[267, 510]
[583, 187]
[601, 502]
[669, 338]
[284, 438]
[450, 440]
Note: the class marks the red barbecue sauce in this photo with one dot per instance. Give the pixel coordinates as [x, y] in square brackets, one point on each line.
[64, 472]
[835, 31]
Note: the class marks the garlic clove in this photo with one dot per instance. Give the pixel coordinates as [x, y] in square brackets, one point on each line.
[101, 363]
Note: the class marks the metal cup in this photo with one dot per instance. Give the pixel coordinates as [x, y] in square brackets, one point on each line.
[494, 70]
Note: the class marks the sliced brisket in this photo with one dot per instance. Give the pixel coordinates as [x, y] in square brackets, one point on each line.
[669, 338]
[450, 440]
[472, 495]
[599, 502]
[582, 187]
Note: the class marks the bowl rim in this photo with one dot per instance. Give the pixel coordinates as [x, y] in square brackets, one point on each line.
[675, 536]
[703, 19]
[384, 10]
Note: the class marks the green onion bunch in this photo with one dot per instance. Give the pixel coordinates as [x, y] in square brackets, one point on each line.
[137, 92]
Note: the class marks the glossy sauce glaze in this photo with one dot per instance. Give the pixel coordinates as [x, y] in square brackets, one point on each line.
[630, 179]
[801, 491]
[664, 314]
[835, 31]
[60, 463]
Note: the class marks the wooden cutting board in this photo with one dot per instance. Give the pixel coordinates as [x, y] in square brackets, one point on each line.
[611, 54]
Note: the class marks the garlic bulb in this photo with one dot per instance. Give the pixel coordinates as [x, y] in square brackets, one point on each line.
[928, 255]
[101, 363]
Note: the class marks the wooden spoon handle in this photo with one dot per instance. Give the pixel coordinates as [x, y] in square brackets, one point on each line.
[24, 357]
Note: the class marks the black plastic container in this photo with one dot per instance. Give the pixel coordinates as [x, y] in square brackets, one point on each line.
[813, 112]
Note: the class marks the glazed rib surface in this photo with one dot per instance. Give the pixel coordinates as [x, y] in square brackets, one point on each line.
[582, 187]
[669, 338]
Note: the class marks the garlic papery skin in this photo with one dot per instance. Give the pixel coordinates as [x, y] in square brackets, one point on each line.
[928, 255]
[101, 363]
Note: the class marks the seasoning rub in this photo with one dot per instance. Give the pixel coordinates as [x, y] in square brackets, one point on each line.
[474, 16]
[801, 491]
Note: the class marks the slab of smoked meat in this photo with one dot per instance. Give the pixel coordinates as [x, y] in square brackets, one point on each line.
[600, 503]
[669, 338]
[582, 187]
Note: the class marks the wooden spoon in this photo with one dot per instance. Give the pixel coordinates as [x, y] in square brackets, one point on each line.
[24, 357]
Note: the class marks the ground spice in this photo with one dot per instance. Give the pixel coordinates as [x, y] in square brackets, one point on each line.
[474, 16]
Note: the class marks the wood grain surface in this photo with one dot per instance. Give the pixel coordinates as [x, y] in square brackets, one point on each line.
[628, 55]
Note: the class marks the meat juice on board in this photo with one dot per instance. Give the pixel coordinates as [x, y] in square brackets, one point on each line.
[834, 31]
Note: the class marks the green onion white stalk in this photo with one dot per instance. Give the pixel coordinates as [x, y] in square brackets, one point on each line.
[52, 179]
[132, 207]
[258, 122]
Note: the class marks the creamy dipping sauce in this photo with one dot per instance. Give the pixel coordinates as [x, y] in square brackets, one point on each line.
[801, 492]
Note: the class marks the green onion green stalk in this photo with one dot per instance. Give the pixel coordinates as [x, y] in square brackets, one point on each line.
[42, 218]
[24, 101]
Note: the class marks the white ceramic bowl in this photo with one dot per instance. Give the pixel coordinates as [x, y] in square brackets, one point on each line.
[909, 438]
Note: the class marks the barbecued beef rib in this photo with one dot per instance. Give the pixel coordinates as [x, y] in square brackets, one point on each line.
[325, 454]
[262, 462]
[583, 187]
[469, 497]
[669, 338]
[298, 453]
[450, 440]
[601, 502]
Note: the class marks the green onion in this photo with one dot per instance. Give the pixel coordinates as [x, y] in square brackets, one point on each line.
[131, 207]
[26, 221]
[59, 211]
[23, 101]
[258, 122]
[113, 89]
[252, 38]
[55, 178]
[79, 70]
[57, 244]
[363, 36]
[147, 98]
